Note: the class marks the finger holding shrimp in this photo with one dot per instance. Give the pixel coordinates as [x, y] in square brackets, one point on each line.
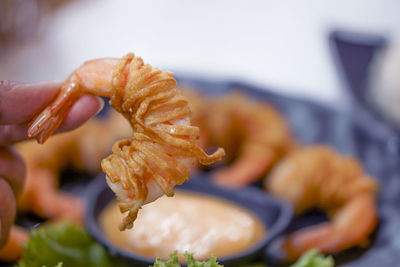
[164, 145]
[20, 102]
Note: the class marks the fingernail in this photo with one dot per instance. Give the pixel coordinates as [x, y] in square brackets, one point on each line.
[101, 103]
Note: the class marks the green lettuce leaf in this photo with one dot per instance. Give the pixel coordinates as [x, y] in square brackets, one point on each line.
[313, 258]
[191, 262]
[64, 245]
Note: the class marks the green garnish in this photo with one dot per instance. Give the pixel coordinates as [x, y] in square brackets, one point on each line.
[191, 262]
[64, 245]
[313, 258]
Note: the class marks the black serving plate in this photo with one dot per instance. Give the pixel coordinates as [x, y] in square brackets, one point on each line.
[273, 213]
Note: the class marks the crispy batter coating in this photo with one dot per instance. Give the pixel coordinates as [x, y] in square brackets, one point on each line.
[319, 177]
[163, 146]
[253, 133]
[158, 113]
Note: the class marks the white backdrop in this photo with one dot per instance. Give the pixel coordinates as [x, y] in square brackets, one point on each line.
[279, 44]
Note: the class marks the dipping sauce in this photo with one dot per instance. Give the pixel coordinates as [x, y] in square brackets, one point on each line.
[196, 223]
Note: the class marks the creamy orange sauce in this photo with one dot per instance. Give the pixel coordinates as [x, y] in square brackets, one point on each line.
[199, 224]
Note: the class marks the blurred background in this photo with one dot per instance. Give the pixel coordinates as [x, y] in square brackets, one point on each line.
[280, 44]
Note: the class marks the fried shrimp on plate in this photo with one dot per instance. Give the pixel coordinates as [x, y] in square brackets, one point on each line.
[164, 145]
[319, 177]
[253, 133]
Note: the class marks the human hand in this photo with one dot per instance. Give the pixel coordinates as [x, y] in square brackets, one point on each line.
[18, 104]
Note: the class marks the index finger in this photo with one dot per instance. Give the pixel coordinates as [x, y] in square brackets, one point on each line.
[20, 102]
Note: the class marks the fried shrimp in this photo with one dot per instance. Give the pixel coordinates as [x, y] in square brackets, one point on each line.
[319, 177]
[164, 144]
[253, 133]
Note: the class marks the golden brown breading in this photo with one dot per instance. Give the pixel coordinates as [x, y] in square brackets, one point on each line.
[253, 133]
[319, 177]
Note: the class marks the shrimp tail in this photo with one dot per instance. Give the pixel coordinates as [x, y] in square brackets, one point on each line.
[44, 125]
[351, 226]
[312, 237]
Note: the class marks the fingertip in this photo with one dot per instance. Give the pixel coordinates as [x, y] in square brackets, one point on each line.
[85, 108]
